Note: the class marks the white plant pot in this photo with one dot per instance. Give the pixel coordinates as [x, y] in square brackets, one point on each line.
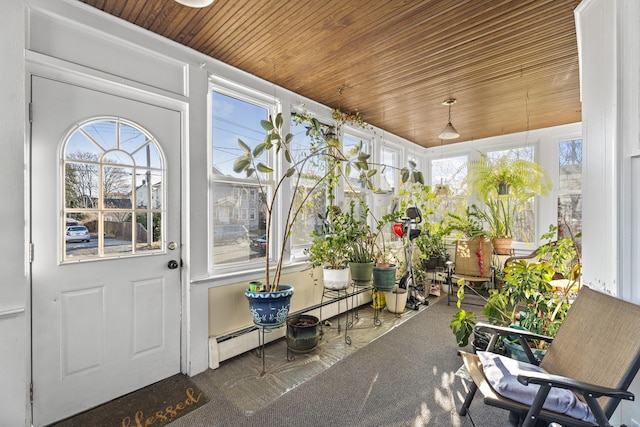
[396, 300]
[336, 279]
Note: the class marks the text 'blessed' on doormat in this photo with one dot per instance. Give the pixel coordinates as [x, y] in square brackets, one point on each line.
[155, 405]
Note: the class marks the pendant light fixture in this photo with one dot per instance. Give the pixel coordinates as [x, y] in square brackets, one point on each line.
[449, 132]
[195, 3]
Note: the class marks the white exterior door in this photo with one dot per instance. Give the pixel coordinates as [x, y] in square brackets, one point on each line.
[105, 312]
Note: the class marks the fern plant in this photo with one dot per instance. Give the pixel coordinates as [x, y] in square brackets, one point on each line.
[504, 185]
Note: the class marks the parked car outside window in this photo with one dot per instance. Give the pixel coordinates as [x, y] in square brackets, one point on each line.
[259, 246]
[78, 233]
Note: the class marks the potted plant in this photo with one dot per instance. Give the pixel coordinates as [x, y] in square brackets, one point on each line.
[270, 307]
[331, 248]
[433, 247]
[527, 298]
[504, 185]
[469, 225]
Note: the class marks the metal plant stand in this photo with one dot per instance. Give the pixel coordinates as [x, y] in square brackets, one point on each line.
[354, 307]
[338, 295]
[262, 329]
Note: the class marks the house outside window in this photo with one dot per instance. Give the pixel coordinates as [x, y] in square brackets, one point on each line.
[235, 116]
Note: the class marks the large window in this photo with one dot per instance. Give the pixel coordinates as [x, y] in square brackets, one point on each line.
[308, 218]
[569, 187]
[388, 169]
[237, 203]
[447, 180]
[524, 224]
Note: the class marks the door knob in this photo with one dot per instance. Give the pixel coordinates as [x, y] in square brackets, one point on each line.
[173, 264]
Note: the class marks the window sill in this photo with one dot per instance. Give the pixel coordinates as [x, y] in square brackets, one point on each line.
[228, 278]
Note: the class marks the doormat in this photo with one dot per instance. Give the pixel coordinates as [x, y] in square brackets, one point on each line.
[155, 405]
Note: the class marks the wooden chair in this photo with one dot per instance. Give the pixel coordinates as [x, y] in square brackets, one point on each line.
[470, 264]
[595, 355]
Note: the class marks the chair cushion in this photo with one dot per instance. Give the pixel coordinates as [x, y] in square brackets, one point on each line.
[502, 374]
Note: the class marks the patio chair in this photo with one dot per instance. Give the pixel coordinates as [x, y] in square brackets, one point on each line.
[586, 371]
[470, 264]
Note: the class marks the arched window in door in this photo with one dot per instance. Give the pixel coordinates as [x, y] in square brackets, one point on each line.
[113, 191]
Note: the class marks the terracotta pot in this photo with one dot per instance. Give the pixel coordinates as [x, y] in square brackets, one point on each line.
[502, 245]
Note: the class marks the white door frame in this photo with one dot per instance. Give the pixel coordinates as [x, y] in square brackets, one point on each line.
[77, 75]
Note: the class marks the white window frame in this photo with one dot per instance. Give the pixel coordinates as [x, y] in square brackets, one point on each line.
[272, 106]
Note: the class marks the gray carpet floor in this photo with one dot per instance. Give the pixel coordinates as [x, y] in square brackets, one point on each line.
[405, 377]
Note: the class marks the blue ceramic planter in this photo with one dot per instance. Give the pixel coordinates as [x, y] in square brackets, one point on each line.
[270, 309]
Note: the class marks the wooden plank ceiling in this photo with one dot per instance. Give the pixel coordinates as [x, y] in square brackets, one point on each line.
[512, 65]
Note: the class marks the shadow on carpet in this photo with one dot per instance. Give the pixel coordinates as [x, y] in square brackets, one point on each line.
[156, 405]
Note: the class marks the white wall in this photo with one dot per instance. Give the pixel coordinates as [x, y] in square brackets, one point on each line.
[609, 46]
[14, 338]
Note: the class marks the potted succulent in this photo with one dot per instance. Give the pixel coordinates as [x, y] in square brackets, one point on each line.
[504, 185]
[270, 307]
[527, 298]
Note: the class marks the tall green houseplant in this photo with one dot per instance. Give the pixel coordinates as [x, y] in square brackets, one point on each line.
[277, 143]
[505, 184]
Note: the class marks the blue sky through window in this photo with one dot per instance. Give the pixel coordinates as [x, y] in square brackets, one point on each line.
[233, 118]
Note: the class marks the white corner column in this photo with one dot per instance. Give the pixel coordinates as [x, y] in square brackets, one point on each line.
[608, 43]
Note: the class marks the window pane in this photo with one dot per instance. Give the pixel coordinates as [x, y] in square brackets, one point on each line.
[570, 188]
[569, 215]
[350, 146]
[524, 222]
[570, 165]
[389, 158]
[148, 189]
[81, 188]
[116, 187]
[109, 164]
[238, 206]
[311, 197]
[525, 153]
[447, 180]
[234, 119]
[235, 231]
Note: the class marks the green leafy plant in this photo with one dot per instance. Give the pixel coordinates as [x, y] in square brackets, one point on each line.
[250, 162]
[469, 225]
[527, 297]
[504, 185]
[331, 246]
